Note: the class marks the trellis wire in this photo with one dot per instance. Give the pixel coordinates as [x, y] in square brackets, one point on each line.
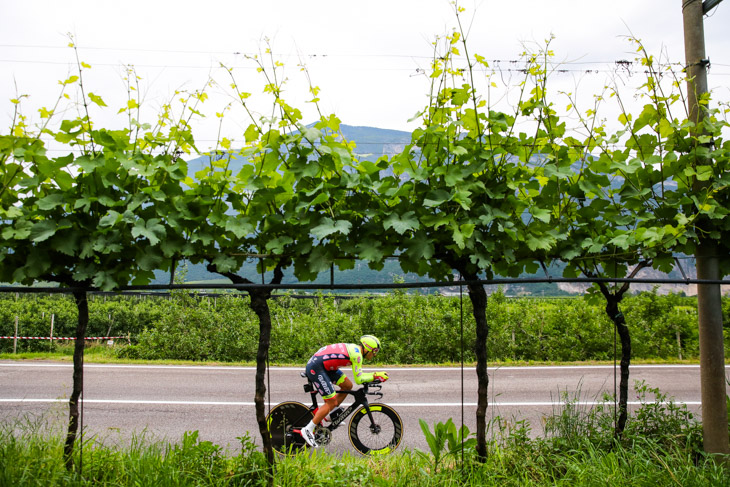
[332, 285]
[364, 287]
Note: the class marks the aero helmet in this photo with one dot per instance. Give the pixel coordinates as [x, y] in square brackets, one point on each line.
[370, 344]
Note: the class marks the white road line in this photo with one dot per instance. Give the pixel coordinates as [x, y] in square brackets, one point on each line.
[132, 401]
[124, 366]
[396, 404]
[445, 369]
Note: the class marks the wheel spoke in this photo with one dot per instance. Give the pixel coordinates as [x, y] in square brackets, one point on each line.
[380, 437]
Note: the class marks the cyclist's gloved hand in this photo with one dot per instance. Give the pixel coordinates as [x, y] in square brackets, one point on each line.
[381, 376]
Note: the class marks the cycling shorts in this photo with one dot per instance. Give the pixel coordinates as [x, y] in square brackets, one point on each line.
[324, 380]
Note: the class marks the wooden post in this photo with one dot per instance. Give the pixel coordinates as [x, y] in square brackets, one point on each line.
[15, 339]
[514, 345]
[709, 297]
[53, 316]
[109, 331]
[679, 345]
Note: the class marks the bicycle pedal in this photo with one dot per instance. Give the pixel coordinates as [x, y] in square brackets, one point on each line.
[322, 435]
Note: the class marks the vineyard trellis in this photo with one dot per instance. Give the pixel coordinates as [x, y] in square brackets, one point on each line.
[154, 290]
[476, 192]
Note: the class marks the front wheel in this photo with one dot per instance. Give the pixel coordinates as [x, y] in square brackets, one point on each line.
[283, 420]
[377, 437]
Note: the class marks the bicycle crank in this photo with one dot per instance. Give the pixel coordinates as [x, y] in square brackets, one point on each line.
[322, 436]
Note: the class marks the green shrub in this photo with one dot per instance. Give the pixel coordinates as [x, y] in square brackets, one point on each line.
[414, 328]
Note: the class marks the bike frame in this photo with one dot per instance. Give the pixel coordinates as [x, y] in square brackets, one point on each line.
[360, 396]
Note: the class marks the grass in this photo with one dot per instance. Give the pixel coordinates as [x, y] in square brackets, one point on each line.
[30, 459]
[661, 446]
[101, 353]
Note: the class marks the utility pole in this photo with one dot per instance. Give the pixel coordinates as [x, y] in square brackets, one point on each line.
[709, 305]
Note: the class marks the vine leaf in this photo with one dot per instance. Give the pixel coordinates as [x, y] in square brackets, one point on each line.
[152, 230]
[401, 223]
[329, 226]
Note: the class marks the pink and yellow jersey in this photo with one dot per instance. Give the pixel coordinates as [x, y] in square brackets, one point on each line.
[332, 357]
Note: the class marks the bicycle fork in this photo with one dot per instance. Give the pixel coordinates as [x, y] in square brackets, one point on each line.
[374, 428]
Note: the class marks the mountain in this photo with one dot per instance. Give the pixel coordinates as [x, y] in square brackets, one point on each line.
[391, 272]
[371, 143]
[360, 274]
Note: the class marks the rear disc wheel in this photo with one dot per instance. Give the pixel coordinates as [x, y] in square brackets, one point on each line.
[282, 421]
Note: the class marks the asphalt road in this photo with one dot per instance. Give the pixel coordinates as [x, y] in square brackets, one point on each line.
[163, 402]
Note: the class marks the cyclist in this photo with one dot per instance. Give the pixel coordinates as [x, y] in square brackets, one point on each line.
[323, 370]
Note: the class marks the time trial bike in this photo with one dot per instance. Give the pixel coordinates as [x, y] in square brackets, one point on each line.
[374, 429]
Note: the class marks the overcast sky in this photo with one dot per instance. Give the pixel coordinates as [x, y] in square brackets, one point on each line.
[368, 57]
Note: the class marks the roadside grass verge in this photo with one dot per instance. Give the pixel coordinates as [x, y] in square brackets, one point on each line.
[32, 459]
[102, 353]
[661, 446]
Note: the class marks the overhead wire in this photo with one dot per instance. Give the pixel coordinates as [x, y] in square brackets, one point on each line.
[622, 67]
[495, 67]
[495, 61]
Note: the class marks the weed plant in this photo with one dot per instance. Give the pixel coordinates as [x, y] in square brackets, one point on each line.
[661, 446]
